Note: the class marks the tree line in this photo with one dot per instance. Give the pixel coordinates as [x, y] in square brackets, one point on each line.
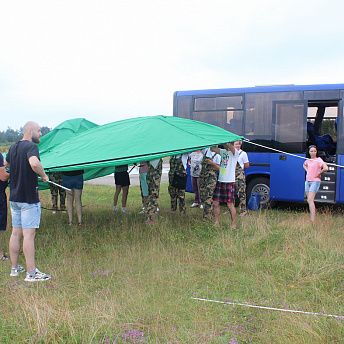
[10, 135]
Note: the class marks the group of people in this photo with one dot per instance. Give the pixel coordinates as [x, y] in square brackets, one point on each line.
[229, 162]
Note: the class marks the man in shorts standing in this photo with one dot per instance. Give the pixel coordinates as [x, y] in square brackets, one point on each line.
[225, 186]
[23, 161]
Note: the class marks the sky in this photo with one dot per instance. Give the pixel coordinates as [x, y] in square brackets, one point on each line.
[107, 60]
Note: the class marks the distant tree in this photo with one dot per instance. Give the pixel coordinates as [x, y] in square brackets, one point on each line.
[45, 130]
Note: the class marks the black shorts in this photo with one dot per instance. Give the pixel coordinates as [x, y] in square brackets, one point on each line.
[3, 211]
[122, 178]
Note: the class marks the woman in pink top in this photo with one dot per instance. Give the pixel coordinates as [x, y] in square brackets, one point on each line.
[314, 167]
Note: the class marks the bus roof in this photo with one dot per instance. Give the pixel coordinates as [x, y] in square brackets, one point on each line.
[262, 89]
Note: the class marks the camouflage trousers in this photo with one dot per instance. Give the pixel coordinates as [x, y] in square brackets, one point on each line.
[177, 195]
[57, 177]
[153, 182]
[240, 186]
[176, 166]
[206, 189]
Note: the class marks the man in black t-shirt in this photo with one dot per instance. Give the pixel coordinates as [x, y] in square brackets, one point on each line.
[23, 161]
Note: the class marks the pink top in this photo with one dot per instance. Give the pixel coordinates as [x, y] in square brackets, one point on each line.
[313, 169]
[144, 167]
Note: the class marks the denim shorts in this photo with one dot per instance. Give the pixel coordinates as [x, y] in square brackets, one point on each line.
[73, 182]
[143, 182]
[26, 215]
[312, 186]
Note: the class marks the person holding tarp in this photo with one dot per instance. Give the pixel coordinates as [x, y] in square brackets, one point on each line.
[57, 178]
[177, 178]
[23, 160]
[314, 167]
[195, 162]
[122, 181]
[225, 186]
[74, 181]
[153, 181]
[207, 182]
[240, 180]
[4, 177]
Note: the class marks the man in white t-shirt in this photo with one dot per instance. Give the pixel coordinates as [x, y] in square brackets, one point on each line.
[225, 186]
[240, 181]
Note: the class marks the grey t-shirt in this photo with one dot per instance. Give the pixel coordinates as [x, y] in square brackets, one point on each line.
[196, 164]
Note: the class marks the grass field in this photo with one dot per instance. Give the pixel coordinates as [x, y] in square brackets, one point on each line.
[117, 280]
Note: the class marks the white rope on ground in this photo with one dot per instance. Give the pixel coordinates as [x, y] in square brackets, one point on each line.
[279, 151]
[269, 308]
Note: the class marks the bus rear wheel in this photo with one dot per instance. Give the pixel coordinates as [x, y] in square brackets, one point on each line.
[262, 187]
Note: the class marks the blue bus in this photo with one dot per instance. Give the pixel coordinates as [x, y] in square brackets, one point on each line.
[287, 118]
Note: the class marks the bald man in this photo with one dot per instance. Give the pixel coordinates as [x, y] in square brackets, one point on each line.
[24, 164]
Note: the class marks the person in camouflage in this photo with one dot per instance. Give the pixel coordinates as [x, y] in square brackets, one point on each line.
[240, 181]
[57, 177]
[177, 167]
[207, 182]
[153, 180]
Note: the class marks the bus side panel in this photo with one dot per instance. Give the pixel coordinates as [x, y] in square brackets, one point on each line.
[259, 164]
[340, 180]
[287, 178]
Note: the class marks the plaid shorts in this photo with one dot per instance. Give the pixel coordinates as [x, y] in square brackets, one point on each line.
[224, 192]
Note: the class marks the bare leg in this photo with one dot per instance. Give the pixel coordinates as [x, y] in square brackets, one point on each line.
[125, 195]
[14, 245]
[231, 208]
[29, 247]
[144, 201]
[70, 201]
[217, 211]
[78, 204]
[310, 200]
[115, 196]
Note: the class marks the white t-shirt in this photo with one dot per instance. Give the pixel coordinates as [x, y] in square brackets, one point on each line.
[185, 157]
[243, 158]
[209, 154]
[227, 166]
[155, 162]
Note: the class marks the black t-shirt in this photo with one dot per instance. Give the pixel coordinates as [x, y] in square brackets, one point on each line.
[23, 180]
[3, 185]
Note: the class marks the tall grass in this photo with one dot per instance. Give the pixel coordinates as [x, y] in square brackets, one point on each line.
[117, 280]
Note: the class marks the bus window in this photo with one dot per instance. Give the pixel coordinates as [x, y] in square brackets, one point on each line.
[259, 111]
[184, 107]
[230, 120]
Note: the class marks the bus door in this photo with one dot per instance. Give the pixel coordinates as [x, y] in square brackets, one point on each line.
[289, 133]
[340, 154]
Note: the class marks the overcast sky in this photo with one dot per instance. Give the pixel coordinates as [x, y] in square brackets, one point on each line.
[109, 60]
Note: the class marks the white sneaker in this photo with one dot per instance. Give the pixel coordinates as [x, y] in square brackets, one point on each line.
[142, 211]
[201, 206]
[54, 211]
[37, 277]
[193, 205]
[157, 209]
[15, 272]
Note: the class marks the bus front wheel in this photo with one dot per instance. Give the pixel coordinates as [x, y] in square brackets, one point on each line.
[262, 187]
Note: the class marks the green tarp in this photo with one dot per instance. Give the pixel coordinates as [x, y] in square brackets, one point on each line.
[131, 141]
[64, 132]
